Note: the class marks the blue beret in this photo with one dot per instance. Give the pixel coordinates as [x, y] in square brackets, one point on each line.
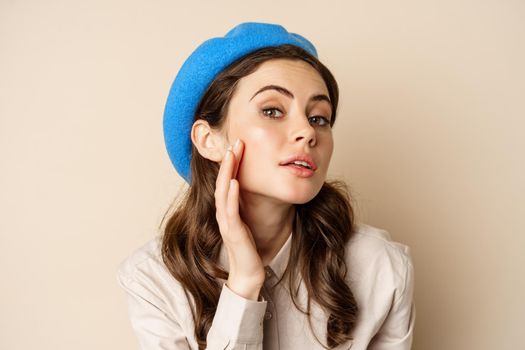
[201, 68]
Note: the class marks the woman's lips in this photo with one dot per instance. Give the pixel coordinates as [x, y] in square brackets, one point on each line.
[300, 157]
[298, 170]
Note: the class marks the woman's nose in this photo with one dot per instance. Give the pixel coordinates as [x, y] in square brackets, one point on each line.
[304, 131]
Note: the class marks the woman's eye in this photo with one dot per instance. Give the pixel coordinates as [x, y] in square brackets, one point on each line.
[319, 120]
[272, 112]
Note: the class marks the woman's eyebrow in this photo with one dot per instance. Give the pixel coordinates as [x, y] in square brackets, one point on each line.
[286, 92]
[278, 88]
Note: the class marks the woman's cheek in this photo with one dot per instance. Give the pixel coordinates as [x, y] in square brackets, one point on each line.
[256, 133]
[257, 154]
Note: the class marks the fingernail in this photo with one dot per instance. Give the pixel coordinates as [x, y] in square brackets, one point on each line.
[237, 142]
[230, 147]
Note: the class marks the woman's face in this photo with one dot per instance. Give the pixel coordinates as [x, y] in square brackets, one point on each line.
[282, 113]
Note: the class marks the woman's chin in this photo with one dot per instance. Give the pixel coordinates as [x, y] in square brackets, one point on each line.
[283, 196]
[298, 196]
[302, 199]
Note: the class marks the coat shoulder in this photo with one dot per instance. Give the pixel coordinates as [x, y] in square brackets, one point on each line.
[371, 251]
[147, 256]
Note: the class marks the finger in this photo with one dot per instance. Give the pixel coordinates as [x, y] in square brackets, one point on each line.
[232, 210]
[232, 206]
[222, 181]
[222, 184]
[238, 150]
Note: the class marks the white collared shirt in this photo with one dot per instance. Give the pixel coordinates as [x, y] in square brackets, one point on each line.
[380, 275]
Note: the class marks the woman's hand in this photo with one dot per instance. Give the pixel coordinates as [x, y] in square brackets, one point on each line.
[246, 275]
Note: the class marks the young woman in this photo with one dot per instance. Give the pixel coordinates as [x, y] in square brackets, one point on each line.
[263, 252]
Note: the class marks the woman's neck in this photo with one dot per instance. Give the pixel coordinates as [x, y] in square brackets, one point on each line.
[269, 221]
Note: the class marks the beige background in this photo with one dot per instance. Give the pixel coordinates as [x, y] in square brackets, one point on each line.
[429, 137]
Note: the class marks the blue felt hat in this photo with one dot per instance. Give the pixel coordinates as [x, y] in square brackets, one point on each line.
[199, 70]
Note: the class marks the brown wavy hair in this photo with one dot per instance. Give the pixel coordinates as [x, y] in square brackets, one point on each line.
[191, 239]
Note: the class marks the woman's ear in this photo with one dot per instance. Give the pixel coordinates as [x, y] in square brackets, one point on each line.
[209, 143]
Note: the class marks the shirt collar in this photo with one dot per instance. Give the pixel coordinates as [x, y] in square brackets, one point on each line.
[277, 264]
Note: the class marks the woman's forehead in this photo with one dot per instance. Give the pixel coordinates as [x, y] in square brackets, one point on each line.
[291, 74]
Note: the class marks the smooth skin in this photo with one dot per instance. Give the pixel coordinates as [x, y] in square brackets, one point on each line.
[254, 194]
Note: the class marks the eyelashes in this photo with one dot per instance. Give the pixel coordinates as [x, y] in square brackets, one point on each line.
[276, 113]
[322, 121]
[271, 109]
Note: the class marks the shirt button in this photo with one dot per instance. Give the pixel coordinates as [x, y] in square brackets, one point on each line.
[268, 272]
[267, 315]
